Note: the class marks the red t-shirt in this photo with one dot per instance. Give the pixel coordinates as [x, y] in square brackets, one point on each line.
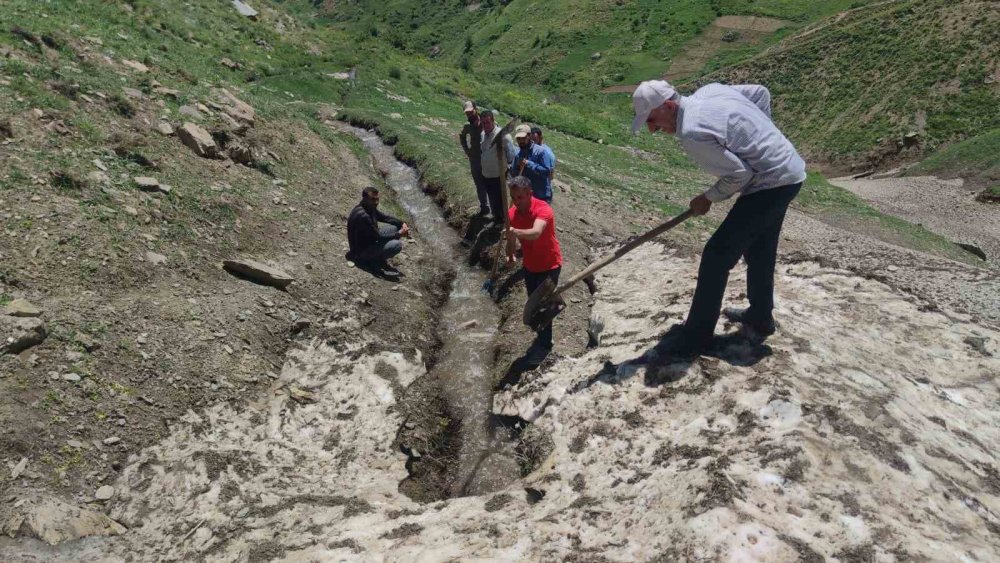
[541, 254]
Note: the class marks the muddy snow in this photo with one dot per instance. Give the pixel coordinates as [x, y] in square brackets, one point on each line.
[867, 427]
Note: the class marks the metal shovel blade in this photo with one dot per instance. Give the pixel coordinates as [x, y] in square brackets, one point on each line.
[543, 305]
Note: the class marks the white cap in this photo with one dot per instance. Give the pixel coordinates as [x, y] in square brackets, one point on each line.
[648, 96]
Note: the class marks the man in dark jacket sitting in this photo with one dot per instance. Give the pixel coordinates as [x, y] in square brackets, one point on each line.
[371, 244]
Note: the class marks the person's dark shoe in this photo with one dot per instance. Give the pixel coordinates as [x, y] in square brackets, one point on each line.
[757, 328]
[536, 354]
[484, 211]
[677, 344]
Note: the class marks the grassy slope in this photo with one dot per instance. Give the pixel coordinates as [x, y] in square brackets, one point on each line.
[287, 79]
[551, 43]
[976, 158]
[863, 82]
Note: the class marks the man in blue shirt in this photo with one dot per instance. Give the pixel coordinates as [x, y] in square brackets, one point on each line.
[536, 136]
[534, 162]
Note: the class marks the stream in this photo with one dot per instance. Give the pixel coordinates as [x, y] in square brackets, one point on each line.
[467, 330]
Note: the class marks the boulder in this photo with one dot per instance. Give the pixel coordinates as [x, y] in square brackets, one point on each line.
[135, 65]
[199, 141]
[235, 107]
[244, 9]
[21, 308]
[165, 128]
[20, 333]
[54, 521]
[192, 112]
[147, 184]
[258, 272]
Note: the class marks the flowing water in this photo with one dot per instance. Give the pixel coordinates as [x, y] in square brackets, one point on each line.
[467, 332]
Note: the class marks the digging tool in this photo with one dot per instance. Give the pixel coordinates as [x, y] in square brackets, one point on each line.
[546, 301]
[490, 283]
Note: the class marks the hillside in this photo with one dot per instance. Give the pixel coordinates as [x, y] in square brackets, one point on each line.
[154, 405]
[934, 61]
[886, 83]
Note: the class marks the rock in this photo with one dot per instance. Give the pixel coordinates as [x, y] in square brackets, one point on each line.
[147, 184]
[191, 112]
[300, 325]
[112, 440]
[87, 341]
[135, 65]
[38, 113]
[258, 272]
[234, 107]
[54, 521]
[301, 395]
[164, 128]
[19, 468]
[893, 268]
[167, 92]
[97, 177]
[228, 63]
[21, 308]
[20, 333]
[198, 140]
[244, 9]
[240, 153]
[105, 493]
[71, 377]
[155, 258]
[469, 324]
[132, 93]
[595, 56]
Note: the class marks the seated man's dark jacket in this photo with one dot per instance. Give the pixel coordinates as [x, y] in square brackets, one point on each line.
[362, 228]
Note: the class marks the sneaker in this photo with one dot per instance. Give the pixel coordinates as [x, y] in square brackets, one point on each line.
[764, 329]
[484, 211]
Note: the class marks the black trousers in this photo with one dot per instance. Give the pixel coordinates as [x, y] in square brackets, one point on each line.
[477, 179]
[531, 282]
[751, 230]
[496, 199]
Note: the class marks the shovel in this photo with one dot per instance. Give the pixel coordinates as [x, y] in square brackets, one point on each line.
[546, 301]
[490, 283]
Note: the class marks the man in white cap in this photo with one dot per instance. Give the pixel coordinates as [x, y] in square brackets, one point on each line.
[728, 132]
[469, 137]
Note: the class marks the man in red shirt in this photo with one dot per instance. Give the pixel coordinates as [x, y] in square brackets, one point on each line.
[533, 224]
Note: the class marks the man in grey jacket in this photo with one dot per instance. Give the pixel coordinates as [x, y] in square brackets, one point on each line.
[491, 166]
[728, 132]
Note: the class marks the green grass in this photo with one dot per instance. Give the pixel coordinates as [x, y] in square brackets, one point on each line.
[976, 158]
[881, 72]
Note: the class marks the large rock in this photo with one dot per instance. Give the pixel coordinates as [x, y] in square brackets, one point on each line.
[21, 308]
[199, 141]
[54, 521]
[20, 333]
[235, 107]
[258, 272]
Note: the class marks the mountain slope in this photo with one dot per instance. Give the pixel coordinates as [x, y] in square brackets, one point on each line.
[884, 83]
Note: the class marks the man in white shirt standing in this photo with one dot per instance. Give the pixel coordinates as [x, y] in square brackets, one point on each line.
[728, 132]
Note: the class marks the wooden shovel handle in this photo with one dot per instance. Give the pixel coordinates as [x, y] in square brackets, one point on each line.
[623, 250]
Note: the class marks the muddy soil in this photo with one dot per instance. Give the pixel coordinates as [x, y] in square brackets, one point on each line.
[133, 345]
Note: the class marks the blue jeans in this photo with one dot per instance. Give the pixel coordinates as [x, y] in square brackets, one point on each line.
[751, 230]
[386, 247]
